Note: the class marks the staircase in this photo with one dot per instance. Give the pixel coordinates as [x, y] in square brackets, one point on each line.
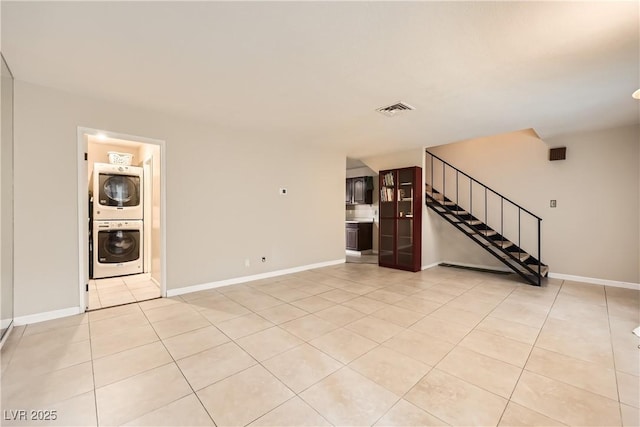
[503, 228]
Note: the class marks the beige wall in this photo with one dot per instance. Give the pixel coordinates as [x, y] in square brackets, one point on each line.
[222, 206]
[6, 199]
[149, 151]
[594, 230]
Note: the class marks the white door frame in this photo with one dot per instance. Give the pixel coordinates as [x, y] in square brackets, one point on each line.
[83, 207]
[147, 166]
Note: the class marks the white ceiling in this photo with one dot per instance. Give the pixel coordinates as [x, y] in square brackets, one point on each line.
[314, 72]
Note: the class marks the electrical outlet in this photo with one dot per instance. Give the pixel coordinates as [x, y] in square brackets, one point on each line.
[247, 262]
[264, 259]
[553, 204]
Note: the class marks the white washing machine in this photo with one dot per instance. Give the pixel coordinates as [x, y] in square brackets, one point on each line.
[117, 248]
[117, 192]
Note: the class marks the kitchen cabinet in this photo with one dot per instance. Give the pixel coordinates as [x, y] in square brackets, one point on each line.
[359, 236]
[400, 228]
[359, 191]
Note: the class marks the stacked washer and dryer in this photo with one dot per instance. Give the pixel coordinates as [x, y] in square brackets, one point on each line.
[116, 220]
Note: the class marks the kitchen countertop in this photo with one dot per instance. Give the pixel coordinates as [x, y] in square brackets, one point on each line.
[359, 221]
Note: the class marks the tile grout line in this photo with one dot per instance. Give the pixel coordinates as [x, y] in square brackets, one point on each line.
[613, 355]
[527, 361]
[402, 397]
[175, 362]
[231, 340]
[388, 287]
[578, 359]
[443, 357]
[93, 374]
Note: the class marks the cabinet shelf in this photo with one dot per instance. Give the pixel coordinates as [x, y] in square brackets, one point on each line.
[400, 226]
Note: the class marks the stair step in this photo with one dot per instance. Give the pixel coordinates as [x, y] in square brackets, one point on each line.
[493, 241]
[486, 233]
[500, 244]
[523, 255]
[452, 219]
[439, 198]
[503, 243]
[544, 270]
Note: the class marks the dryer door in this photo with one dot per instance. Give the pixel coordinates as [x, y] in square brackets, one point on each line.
[118, 246]
[119, 190]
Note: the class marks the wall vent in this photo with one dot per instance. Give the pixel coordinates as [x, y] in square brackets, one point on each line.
[559, 153]
[392, 110]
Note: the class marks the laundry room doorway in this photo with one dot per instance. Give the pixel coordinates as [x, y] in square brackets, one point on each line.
[121, 194]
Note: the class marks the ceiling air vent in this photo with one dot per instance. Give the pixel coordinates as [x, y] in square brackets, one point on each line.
[392, 110]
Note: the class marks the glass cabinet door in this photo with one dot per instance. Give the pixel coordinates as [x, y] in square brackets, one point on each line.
[405, 242]
[387, 195]
[405, 193]
[400, 218]
[386, 243]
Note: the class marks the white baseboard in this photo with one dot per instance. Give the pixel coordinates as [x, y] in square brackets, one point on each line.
[243, 279]
[48, 315]
[426, 267]
[594, 281]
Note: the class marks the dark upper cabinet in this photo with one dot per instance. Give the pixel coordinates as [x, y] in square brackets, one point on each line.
[349, 191]
[359, 191]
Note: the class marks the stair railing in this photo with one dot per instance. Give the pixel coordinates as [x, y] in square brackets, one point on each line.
[503, 199]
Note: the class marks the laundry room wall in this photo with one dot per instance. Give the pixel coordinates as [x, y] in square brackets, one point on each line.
[222, 207]
[153, 151]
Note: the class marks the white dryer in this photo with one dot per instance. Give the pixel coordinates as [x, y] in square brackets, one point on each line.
[117, 248]
[117, 192]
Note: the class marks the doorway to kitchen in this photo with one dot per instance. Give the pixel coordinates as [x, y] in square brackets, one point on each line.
[121, 193]
[361, 213]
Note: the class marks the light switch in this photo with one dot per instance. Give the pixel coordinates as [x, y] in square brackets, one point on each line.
[553, 204]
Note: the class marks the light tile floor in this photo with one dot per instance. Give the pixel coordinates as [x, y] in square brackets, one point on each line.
[121, 290]
[347, 345]
[362, 259]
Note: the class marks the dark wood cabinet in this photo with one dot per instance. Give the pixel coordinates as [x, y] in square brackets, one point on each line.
[359, 190]
[359, 236]
[349, 191]
[400, 233]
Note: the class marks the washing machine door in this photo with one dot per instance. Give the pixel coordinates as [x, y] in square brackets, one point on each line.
[119, 190]
[118, 246]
